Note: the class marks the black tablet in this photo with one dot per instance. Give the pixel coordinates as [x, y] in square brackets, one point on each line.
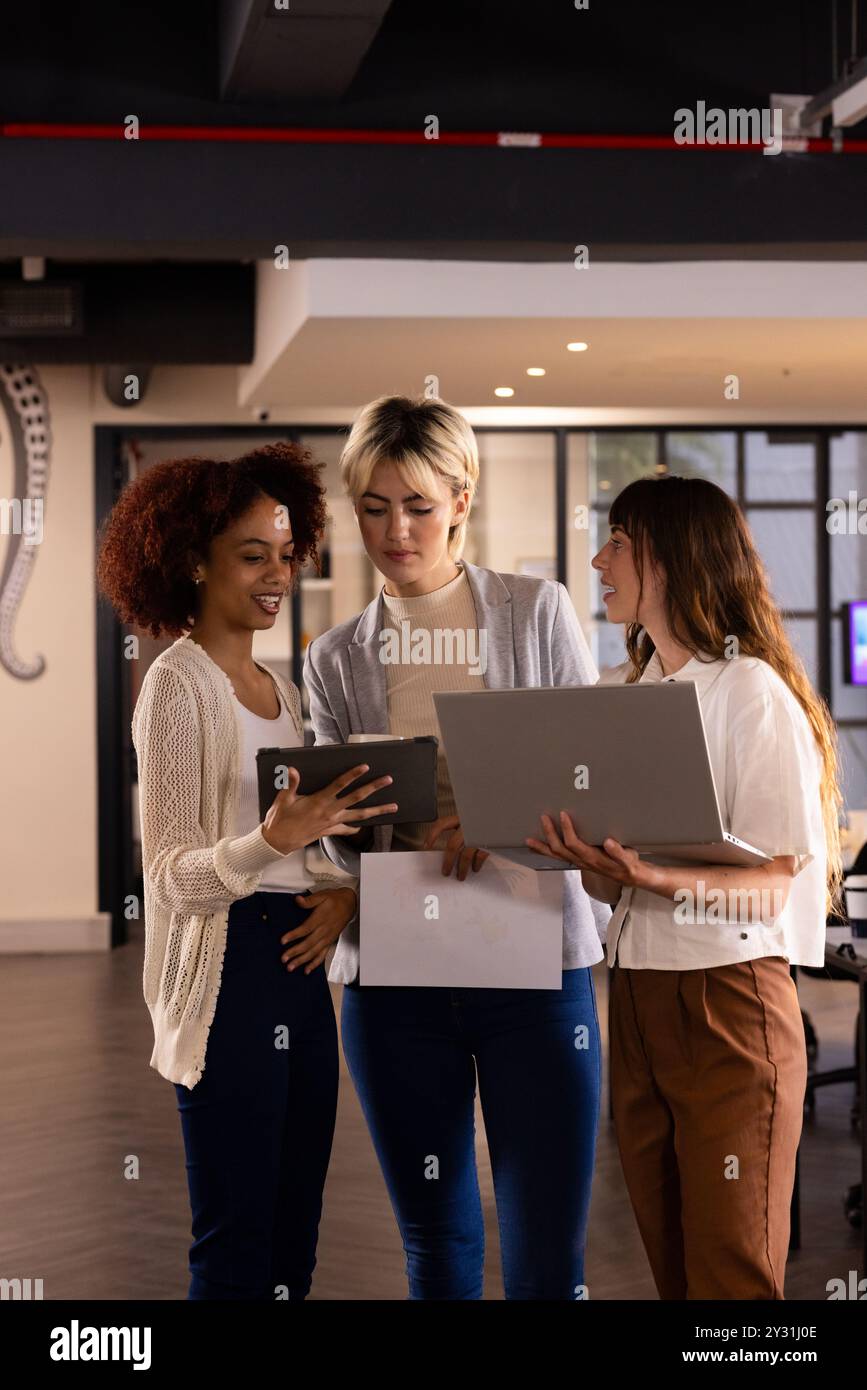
[411, 762]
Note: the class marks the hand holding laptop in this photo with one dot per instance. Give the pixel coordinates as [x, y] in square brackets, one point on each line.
[618, 863]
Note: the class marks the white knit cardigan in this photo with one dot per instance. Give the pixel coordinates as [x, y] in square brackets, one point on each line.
[187, 740]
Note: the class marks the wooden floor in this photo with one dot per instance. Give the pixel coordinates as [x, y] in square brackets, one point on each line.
[77, 1098]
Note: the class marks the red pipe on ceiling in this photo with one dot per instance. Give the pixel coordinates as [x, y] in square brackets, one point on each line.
[45, 130]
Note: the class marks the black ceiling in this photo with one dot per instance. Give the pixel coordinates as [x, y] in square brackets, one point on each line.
[517, 65]
[620, 66]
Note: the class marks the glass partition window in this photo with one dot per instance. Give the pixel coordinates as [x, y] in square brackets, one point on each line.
[710, 454]
[614, 460]
[786, 541]
[779, 467]
[513, 523]
[618, 459]
[848, 485]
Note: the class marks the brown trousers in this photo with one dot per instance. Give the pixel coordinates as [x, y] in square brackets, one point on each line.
[708, 1073]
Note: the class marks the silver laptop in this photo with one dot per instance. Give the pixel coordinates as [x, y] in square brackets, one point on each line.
[629, 761]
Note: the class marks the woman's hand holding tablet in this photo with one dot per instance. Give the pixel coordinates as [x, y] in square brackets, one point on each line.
[294, 821]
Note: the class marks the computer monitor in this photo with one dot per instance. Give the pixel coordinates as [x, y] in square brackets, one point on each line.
[855, 642]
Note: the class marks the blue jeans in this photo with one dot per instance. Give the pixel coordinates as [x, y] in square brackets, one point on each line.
[411, 1055]
[258, 1124]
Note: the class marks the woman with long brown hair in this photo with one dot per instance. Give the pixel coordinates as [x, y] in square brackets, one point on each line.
[708, 1059]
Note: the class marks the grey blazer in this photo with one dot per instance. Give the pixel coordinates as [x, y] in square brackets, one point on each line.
[534, 639]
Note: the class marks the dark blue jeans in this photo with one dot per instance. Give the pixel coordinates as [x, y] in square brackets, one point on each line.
[258, 1124]
[411, 1055]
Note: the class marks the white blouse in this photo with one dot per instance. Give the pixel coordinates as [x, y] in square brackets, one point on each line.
[767, 768]
[287, 874]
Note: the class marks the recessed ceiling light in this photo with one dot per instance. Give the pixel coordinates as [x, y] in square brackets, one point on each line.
[503, 391]
[535, 371]
[577, 347]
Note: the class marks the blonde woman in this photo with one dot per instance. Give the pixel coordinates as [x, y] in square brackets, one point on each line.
[411, 468]
[708, 1059]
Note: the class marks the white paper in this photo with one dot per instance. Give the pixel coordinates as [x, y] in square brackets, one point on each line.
[502, 928]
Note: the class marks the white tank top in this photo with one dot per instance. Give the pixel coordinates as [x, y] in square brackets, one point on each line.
[287, 875]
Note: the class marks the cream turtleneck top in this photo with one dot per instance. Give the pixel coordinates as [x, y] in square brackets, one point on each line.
[441, 630]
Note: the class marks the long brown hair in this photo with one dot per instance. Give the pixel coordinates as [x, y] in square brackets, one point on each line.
[716, 589]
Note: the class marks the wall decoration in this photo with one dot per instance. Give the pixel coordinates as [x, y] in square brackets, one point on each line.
[25, 414]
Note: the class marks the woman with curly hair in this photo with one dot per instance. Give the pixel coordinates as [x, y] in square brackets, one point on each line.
[708, 1059]
[205, 551]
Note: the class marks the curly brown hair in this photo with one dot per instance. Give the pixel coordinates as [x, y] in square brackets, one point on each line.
[178, 506]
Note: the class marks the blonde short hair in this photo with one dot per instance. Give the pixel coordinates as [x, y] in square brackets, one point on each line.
[426, 439]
